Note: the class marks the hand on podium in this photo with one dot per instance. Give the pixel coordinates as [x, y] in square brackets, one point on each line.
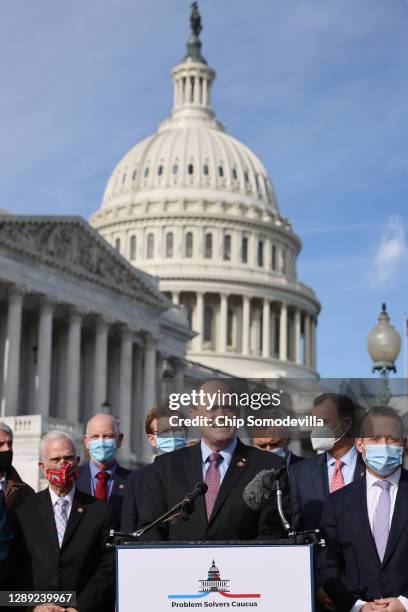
[325, 600]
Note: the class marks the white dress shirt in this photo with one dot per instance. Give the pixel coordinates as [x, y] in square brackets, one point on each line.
[373, 495]
[69, 498]
[226, 454]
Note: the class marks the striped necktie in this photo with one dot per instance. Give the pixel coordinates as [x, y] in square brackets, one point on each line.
[61, 518]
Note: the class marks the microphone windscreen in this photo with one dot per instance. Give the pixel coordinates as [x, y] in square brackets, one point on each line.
[256, 495]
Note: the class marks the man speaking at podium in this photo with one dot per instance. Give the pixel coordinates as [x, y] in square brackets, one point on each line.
[224, 463]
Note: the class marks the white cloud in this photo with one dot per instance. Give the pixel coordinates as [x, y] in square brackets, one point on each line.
[392, 252]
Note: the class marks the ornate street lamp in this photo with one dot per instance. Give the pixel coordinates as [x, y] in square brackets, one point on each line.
[384, 344]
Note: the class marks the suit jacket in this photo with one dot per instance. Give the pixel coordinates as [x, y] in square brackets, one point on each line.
[310, 489]
[295, 459]
[82, 564]
[349, 567]
[84, 483]
[133, 495]
[175, 474]
[17, 491]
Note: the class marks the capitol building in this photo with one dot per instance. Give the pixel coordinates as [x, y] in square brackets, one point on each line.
[188, 270]
[196, 208]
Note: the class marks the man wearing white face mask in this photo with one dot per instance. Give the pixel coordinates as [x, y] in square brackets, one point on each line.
[336, 465]
[102, 476]
[363, 568]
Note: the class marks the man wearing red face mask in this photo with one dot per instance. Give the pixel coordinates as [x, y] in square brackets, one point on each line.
[60, 535]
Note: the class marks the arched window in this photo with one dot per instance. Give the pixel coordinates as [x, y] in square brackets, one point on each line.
[246, 176]
[169, 244]
[260, 257]
[134, 175]
[132, 248]
[208, 323]
[174, 168]
[244, 250]
[206, 170]
[123, 178]
[208, 246]
[146, 172]
[230, 327]
[234, 174]
[284, 261]
[160, 170]
[227, 248]
[190, 169]
[117, 244]
[150, 246]
[273, 258]
[220, 171]
[189, 244]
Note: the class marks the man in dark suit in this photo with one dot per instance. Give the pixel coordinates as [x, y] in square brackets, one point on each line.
[102, 476]
[60, 535]
[13, 491]
[224, 463]
[363, 567]
[163, 439]
[275, 439]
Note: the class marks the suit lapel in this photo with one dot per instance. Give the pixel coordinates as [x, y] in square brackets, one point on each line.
[399, 517]
[119, 484]
[46, 512]
[85, 478]
[75, 517]
[360, 516]
[193, 471]
[236, 469]
[320, 478]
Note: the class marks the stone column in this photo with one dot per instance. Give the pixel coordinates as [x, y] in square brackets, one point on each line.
[246, 317]
[266, 328]
[297, 336]
[125, 386]
[100, 364]
[72, 407]
[199, 320]
[223, 323]
[144, 452]
[43, 380]
[11, 370]
[159, 377]
[283, 333]
[306, 343]
[178, 369]
[175, 297]
[313, 363]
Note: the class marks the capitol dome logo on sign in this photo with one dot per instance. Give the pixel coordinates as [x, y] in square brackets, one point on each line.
[213, 584]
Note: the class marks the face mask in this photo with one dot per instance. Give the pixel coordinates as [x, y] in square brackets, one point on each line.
[103, 450]
[383, 459]
[6, 459]
[167, 445]
[63, 477]
[280, 452]
[323, 438]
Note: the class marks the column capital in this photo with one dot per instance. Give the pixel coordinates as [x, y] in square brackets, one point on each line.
[47, 302]
[103, 322]
[16, 293]
[74, 314]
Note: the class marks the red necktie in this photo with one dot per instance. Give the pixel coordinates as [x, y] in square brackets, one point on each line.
[337, 479]
[213, 481]
[101, 491]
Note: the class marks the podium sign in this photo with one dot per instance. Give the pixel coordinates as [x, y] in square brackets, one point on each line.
[207, 577]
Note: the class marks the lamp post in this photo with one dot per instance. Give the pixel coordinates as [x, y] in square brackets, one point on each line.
[384, 344]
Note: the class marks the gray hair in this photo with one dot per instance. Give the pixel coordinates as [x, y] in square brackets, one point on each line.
[7, 430]
[115, 422]
[55, 434]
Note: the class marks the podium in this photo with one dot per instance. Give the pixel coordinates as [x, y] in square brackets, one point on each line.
[265, 576]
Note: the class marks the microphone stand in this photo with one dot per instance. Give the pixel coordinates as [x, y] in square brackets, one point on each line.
[306, 536]
[181, 510]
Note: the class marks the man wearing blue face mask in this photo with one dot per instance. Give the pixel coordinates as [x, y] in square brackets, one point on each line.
[163, 439]
[363, 568]
[102, 476]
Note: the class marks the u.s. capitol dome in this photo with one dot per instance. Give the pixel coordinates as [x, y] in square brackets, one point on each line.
[196, 208]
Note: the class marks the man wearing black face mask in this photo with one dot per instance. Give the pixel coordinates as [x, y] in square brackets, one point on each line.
[13, 491]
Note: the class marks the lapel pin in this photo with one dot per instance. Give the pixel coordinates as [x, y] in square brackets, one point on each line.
[121, 486]
[241, 463]
[81, 510]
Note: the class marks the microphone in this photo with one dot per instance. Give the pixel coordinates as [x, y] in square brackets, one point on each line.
[200, 488]
[259, 491]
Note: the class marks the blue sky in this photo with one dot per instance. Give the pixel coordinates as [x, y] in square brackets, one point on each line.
[317, 88]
